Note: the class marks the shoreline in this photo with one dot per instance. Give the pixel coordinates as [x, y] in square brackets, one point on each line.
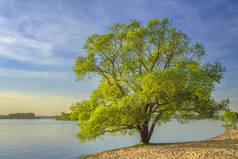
[222, 146]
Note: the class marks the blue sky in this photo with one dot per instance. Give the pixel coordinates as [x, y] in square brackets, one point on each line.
[40, 39]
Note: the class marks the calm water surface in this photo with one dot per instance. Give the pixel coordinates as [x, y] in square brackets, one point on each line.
[50, 139]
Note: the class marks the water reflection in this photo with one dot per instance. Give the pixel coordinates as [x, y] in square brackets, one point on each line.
[23, 139]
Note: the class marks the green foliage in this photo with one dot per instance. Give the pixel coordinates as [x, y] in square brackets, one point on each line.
[231, 119]
[63, 116]
[149, 74]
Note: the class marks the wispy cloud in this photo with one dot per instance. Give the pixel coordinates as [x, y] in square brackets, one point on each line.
[39, 36]
[32, 74]
[26, 50]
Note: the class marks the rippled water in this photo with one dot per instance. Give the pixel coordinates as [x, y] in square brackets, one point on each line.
[50, 139]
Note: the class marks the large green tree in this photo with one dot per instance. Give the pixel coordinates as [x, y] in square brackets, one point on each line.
[149, 74]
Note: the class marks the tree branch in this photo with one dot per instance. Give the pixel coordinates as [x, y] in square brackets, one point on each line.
[166, 65]
[157, 103]
[153, 125]
[157, 57]
[121, 128]
[104, 75]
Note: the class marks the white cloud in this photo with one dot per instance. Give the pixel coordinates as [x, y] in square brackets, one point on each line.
[24, 42]
[37, 37]
[26, 50]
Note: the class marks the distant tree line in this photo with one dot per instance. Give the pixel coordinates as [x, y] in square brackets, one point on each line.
[19, 116]
[73, 115]
[63, 116]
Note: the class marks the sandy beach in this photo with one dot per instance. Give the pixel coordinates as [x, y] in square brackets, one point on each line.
[224, 146]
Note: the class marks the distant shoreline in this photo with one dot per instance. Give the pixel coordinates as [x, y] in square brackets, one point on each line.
[27, 118]
[24, 116]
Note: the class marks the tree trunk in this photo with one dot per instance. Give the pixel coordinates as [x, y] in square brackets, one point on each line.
[144, 139]
[144, 134]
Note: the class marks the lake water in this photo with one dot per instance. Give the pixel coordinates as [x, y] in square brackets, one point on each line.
[50, 139]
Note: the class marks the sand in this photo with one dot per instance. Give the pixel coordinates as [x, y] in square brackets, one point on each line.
[221, 147]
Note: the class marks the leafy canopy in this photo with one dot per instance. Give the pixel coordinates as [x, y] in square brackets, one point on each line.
[231, 119]
[149, 74]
